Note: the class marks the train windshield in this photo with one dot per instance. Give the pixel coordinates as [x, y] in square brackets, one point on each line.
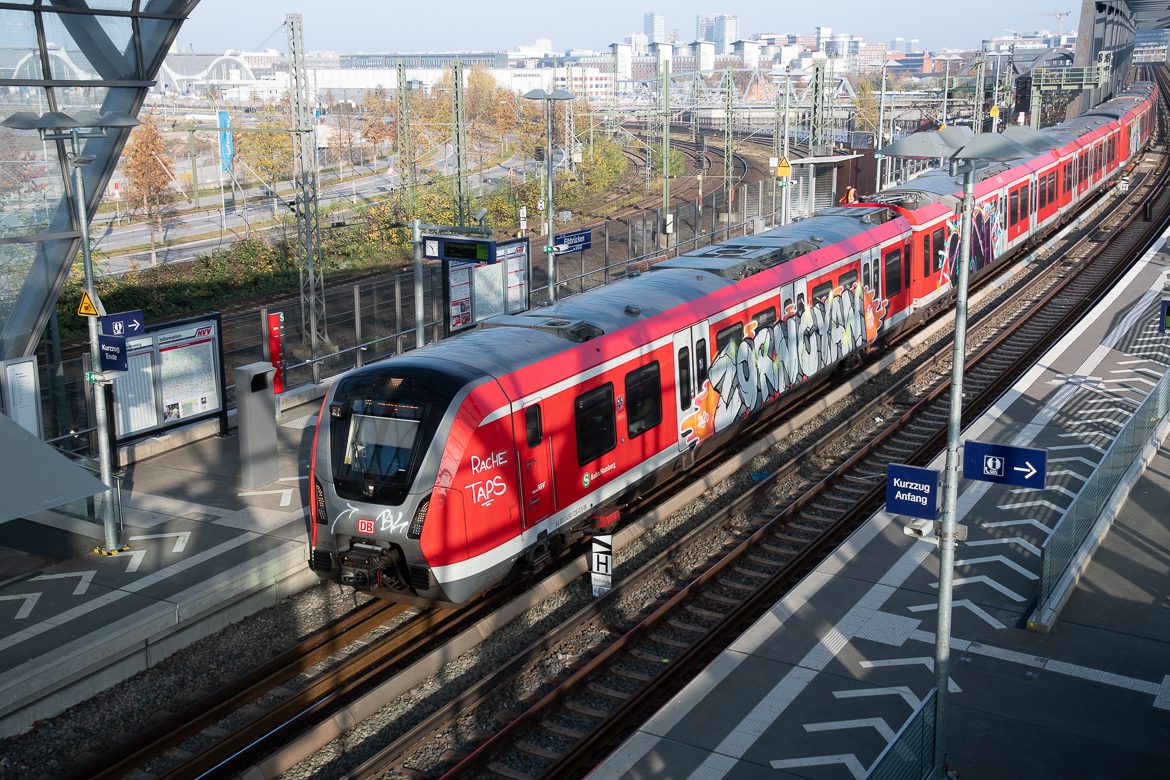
[380, 428]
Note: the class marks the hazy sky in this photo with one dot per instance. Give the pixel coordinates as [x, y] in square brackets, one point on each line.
[445, 25]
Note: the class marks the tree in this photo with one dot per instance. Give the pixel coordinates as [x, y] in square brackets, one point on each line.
[149, 173]
[267, 154]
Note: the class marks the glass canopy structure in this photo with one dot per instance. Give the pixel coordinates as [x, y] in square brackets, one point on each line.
[69, 56]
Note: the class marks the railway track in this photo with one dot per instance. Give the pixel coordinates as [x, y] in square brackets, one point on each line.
[583, 714]
[648, 651]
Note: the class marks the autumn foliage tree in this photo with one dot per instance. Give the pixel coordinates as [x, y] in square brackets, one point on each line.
[149, 173]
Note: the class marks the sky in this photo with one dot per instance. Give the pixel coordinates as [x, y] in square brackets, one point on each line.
[447, 25]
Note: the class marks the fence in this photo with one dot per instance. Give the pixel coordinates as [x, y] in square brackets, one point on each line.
[1067, 546]
[374, 319]
[910, 756]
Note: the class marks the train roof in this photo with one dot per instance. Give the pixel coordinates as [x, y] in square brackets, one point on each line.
[739, 258]
[613, 306]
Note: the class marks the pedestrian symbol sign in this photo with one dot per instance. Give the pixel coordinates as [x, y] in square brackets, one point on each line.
[87, 307]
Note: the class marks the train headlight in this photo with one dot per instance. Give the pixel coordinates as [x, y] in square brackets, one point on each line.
[415, 530]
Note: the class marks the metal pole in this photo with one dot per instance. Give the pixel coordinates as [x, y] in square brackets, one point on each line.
[420, 336]
[357, 325]
[109, 522]
[946, 536]
[786, 195]
[946, 89]
[881, 124]
[549, 249]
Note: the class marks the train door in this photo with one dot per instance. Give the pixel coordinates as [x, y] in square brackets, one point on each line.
[871, 277]
[692, 354]
[534, 446]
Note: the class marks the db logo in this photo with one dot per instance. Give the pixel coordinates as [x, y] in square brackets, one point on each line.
[365, 526]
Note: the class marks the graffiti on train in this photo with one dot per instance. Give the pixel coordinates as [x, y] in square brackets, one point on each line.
[989, 240]
[753, 370]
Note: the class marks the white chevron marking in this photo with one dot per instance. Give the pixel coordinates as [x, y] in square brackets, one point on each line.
[898, 690]
[848, 759]
[926, 661]
[998, 559]
[1026, 521]
[965, 604]
[877, 724]
[1039, 502]
[1021, 541]
[984, 579]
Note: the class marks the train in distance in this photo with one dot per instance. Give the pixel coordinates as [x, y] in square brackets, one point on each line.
[438, 473]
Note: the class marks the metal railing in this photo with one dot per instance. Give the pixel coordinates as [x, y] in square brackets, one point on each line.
[1060, 552]
[910, 755]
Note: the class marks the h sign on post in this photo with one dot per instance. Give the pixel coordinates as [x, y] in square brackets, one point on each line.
[912, 491]
[1004, 464]
[601, 564]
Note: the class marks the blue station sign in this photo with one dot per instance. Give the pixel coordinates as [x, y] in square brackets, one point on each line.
[577, 241]
[912, 491]
[1164, 317]
[1002, 463]
[112, 353]
[123, 324]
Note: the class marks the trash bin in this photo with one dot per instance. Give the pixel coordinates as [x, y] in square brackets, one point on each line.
[256, 416]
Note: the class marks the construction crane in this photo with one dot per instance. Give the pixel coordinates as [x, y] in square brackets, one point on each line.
[1059, 20]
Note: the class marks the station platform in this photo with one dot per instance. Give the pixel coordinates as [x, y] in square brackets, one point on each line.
[203, 553]
[821, 686]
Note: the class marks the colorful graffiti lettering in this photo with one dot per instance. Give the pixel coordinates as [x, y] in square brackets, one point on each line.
[751, 372]
[988, 241]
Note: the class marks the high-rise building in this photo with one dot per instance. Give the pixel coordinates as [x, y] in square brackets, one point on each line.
[655, 27]
[726, 33]
[704, 28]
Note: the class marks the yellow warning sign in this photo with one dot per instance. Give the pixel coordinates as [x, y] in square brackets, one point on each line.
[784, 169]
[994, 112]
[86, 308]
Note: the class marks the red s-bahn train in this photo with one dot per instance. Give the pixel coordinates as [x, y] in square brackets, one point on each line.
[437, 473]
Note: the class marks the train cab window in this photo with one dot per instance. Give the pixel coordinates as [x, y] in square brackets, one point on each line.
[765, 317]
[848, 279]
[533, 431]
[684, 379]
[643, 399]
[939, 250]
[728, 335]
[594, 421]
[893, 273]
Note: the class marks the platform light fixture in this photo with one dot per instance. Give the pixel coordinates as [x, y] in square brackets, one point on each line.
[549, 249]
[59, 126]
[966, 153]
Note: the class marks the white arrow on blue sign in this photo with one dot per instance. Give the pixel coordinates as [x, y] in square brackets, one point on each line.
[1002, 463]
[122, 324]
[912, 491]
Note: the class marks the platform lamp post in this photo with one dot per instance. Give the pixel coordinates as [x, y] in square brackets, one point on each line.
[59, 126]
[966, 154]
[549, 249]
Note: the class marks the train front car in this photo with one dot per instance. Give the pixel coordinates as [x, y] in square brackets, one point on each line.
[377, 472]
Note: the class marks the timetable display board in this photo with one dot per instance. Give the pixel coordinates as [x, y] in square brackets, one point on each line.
[474, 291]
[175, 376]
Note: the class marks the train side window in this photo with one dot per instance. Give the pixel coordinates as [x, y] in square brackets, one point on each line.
[533, 431]
[728, 335]
[1014, 207]
[788, 308]
[848, 279]
[1052, 187]
[643, 399]
[800, 303]
[894, 273]
[925, 254]
[1041, 194]
[939, 249]
[700, 362]
[684, 378]
[765, 317]
[594, 421]
[821, 292]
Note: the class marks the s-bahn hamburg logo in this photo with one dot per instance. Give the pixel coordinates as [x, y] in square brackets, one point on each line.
[753, 370]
